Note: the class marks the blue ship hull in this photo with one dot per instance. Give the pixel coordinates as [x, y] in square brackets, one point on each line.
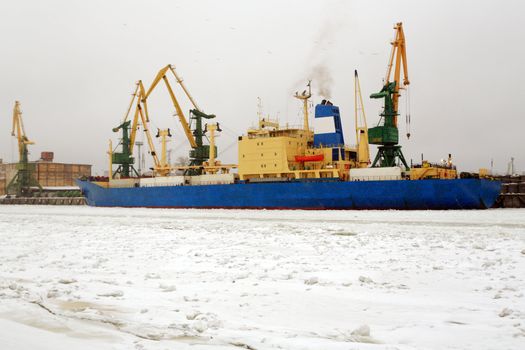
[398, 194]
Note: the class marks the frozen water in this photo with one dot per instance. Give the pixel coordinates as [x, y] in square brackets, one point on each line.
[113, 278]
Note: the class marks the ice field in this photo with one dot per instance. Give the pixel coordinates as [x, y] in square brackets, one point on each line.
[112, 278]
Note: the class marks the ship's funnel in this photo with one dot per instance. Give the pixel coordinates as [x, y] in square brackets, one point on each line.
[328, 128]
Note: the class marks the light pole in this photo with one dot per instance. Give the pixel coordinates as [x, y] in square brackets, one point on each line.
[169, 157]
[139, 145]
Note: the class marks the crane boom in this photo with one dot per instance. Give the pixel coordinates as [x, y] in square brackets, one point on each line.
[161, 75]
[19, 131]
[148, 136]
[141, 110]
[398, 56]
[133, 96]
[183, 86]
[156, 81]
[180, 114]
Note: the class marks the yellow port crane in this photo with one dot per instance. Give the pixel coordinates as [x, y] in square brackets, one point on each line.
[386, 133]
[24, 179]
[125, 158]
[199, 154]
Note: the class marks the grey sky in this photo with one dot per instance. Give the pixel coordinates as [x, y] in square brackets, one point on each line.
[73, 65]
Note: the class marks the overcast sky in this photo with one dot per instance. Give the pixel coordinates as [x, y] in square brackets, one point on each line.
[73, 65]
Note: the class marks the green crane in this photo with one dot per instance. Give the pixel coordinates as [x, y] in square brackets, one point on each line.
[200, 153]
[386, 134]
[124, 158]
[24, 179]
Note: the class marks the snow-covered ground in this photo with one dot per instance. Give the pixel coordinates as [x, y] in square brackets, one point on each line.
[98, 278]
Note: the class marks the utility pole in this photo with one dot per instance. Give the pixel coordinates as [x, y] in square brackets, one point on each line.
[510, 169]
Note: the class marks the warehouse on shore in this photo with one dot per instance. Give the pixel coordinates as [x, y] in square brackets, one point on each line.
[50, 175]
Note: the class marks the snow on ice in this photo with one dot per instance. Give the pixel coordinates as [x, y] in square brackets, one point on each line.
[112, 278]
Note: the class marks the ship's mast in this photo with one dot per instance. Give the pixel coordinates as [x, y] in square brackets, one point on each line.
[259, 109]
[361, 128]
[304, 96]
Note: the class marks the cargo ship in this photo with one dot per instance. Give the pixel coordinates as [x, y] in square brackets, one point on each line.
[285, 167]
[279, 169]
[394, 194]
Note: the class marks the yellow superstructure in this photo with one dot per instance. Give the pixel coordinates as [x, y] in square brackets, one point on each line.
[433, 171]
[270, 151]
[484, 173]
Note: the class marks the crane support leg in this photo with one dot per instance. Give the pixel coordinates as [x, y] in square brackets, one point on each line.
[387, 156]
